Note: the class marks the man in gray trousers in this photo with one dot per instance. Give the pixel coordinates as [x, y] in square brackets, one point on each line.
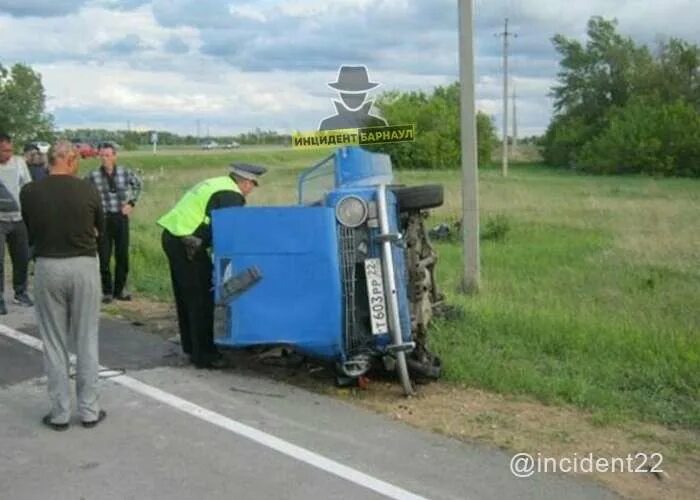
[64, 217]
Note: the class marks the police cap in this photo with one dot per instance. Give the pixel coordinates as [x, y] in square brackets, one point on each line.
[247, 171]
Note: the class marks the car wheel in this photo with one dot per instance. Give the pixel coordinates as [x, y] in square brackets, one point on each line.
[419, 197]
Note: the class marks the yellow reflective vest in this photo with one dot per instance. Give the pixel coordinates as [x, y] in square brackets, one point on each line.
[191, 211]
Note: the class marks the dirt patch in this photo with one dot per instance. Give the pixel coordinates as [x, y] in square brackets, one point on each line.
[157, 317]
[471, 415]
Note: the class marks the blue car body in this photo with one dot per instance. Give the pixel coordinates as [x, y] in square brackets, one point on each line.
[313, 293]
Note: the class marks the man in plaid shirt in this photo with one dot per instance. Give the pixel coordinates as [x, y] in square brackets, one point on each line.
[119, 189]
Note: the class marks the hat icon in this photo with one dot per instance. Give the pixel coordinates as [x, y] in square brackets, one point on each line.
[353, 79]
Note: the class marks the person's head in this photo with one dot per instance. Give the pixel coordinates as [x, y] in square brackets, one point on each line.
[33, 156]
[6, 148]
[108, 155]
[245, 185]
[246, 176]
[64, 159]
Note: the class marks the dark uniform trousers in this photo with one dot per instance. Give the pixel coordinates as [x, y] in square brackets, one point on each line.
[194, 298]
[116, 235]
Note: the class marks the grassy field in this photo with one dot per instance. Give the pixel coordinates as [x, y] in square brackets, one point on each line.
[591, 298]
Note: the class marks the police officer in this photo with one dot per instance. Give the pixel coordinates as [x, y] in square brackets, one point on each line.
[186, 238]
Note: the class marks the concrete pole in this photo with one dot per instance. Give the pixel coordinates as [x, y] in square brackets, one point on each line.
[515, 121]
[470, 175]
[504, 158]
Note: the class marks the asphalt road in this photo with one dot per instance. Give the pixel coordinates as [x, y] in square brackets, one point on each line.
[179, 433]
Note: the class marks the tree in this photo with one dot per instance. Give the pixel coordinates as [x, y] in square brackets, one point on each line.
[601, 75]
[677, 73]
[437, 121]
[22, 105]
[593, 79]
[607, 96]
[486, 137]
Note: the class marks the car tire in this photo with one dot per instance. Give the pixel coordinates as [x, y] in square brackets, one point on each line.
[419, 197]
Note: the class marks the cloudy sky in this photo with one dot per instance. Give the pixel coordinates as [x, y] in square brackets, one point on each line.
[233, 65]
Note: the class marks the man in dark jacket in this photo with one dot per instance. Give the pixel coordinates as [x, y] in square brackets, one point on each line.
[186, 238]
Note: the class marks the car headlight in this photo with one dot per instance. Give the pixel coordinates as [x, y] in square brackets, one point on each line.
[351, 211]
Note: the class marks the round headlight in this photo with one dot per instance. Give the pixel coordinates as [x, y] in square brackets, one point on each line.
[351, 211]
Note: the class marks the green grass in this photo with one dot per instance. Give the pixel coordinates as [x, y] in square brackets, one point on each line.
[591, 298]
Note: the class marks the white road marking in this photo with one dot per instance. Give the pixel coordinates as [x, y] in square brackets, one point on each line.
[260, 437]
[27, 340]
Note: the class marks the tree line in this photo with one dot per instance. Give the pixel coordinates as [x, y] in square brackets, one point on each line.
[132, 139]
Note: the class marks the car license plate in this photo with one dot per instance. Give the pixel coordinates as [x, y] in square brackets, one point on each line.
[375, 294]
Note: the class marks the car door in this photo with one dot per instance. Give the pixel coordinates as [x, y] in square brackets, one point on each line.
[298, 300]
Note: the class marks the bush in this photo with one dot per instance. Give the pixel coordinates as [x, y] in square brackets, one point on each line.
[564, 137]
[495, 229]
[647, 137]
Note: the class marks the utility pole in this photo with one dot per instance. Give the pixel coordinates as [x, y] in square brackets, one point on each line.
[515, 120]
[470, 175]
[198, 131]
[504, 159]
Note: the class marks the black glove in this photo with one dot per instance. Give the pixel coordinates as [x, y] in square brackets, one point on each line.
[192, 245]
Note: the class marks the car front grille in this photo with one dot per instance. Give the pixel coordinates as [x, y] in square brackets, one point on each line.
[357, 334]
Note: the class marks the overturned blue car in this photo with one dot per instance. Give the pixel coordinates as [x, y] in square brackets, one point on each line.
[347, 275]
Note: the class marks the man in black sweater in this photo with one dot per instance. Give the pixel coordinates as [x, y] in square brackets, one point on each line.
[64, 217]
